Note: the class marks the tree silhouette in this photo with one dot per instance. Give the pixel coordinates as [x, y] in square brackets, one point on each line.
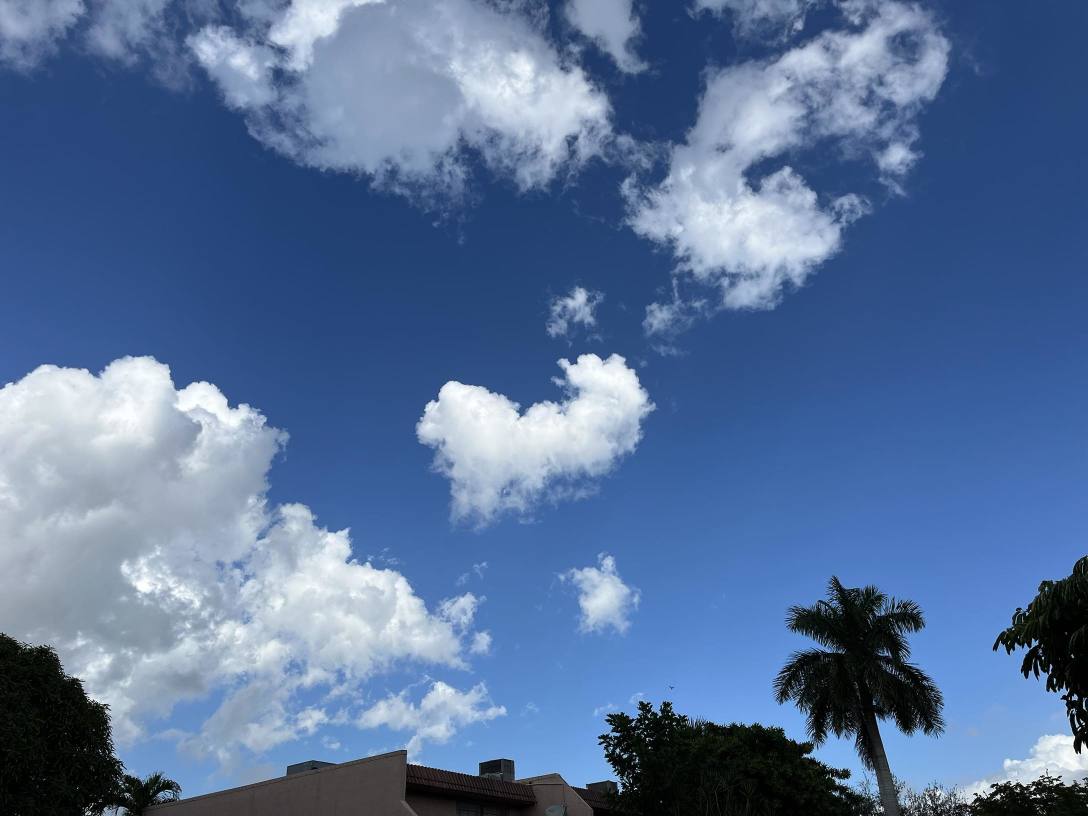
[1054, 630]
[861, 676]
[56, 751]
[137, 795]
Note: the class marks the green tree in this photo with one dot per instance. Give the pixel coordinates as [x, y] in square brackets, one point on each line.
[933, 800]
[1054, 630]
[137, 795]
[56, 751]
[670, 765]
[1046, 796]
[861, 676]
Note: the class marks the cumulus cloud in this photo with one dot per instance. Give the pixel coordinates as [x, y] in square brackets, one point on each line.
[407, 92]
[613, 25]
[1051, 753]
[136, 536]
[751, 230]
[578, 308]
[436, 717]
[500, 459]
[604, 599]
[773, 18]
[30, 29]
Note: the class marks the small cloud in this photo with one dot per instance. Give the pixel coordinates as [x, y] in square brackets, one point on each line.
[481, 643]
[436, 718]
[460, 611]
[613, 25]
[605, 600]
[500, 459]
[385, 557]
[604, 709]
[570, 311]
[477, 570]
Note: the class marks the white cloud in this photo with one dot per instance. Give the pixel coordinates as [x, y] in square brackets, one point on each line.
[398, 90]
[460, 611]
[243, 70]
[436, 718]
[605, 600]
[481, 643]
[607, 708]
[1051, 753]
[773, 18]
[477, 569]
[121, 28]
[30, 29]
[752, 232]
[612, 25]
[502, 460]
[144, 508]
[575, 309]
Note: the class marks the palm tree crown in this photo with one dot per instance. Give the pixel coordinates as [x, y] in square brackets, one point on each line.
[137, 795]
[863, 673]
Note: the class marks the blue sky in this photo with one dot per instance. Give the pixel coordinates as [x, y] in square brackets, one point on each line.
[912, 416]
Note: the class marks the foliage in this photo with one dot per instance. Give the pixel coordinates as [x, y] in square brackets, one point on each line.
[56, 751]
[1046, 796]
[137, 795]
[1054, 629]
[862, 675]
[933, 800]
[670, 765]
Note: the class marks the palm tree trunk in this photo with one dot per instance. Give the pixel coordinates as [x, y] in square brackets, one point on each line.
[889, 800]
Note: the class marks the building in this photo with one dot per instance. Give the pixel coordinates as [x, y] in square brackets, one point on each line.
[388, 785]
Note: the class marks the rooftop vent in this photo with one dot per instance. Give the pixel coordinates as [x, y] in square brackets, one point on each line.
[498, 769]
[308, 765]
[606, 788]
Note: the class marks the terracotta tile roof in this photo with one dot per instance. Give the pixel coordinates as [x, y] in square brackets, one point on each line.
[595, 800]
[448, 783]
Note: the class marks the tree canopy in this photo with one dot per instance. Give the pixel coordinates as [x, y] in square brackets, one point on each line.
[670, 765]
[56, 751]
[1046, 796]
[1054, 630]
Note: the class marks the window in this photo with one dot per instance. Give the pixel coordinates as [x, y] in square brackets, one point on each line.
[477, 809]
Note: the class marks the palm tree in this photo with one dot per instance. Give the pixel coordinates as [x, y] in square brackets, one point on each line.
[137, 795]
[861, 676]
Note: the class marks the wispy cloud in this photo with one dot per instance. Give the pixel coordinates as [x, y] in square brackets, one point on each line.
[749, 230]
[577, 309]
